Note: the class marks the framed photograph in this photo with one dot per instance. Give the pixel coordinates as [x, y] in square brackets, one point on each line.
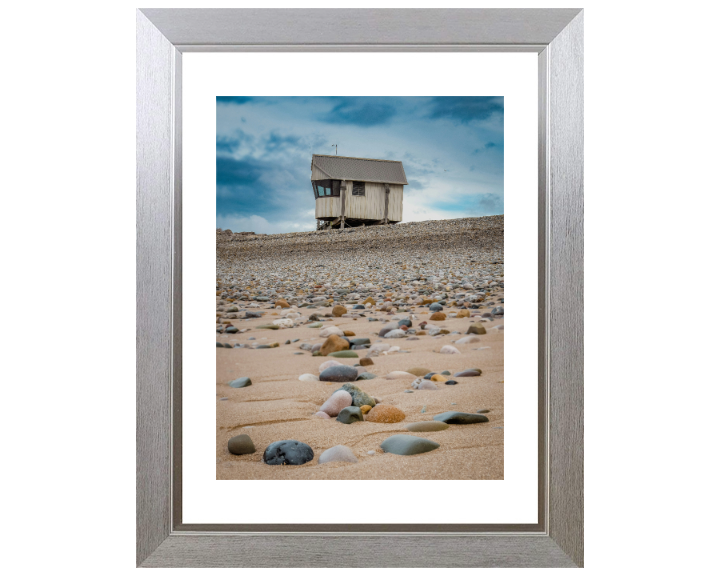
[362, 189]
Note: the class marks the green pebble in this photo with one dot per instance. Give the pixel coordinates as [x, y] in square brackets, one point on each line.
[344, 354]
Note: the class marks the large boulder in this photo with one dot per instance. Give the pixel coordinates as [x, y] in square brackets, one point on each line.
[350, 414]
[334, 343]
[385, 414]
[406, 445]
[359, 397]
[288, 452]
[339, 374]
[339, 400]
[337, 453]
[476, 329]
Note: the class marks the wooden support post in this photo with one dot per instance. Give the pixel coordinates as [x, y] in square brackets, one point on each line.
[343, 186]
[387, 202]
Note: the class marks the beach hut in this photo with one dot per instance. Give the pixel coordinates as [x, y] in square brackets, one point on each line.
[357, 191]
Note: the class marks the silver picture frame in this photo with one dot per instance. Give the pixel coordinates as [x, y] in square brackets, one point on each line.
[163, 540]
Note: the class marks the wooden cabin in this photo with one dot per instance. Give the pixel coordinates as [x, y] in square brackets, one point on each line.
[357, 191]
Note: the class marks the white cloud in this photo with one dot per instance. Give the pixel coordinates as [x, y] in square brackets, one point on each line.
[260, 225]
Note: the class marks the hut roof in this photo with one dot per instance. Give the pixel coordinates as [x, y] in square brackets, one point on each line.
[360, 169]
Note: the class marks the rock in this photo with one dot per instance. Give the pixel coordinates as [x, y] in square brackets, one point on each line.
[435, 307]
[316, 325]
[360, 341]
[406, 445]
[241, 444]
[476, 329]
[233, 309]
[397, 375]
[325, 365]
[499, 311]
[449, 350]
[334, 344]
[344, 354]
[338, 311]
[395, 334]
[460, 418]
[339, 373]
[469, 373]
[358, 307]
[330, 330]
[231, 330]
[438, 378]
[421, 384]
[380, 347]
[219, 345]
[468, 340]
[240, 382]
[418, 371]
[338, 400]
[483, 411]
[282, 303]
[366, 362]
[365, 409]
[386, 414]
[445, 372]
[438, 316]
[426, 426]
[463, 314]
[384, 330]
[429, 375]
[288, 452]
[359, 397]
[366, 376]
[405, 322]
[268, 327]
[322, 414]
[308, 378]
[450, 382]
[349, 415]
[369, 300]
[337, 453]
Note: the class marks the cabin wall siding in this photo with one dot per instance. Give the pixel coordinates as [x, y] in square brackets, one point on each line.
[368, 207]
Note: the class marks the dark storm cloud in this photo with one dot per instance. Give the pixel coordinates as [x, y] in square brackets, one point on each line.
[233, 99]
[277, 142]
[359, 112]
[260, 184]
[232, 172]
[465, 109]
[226, 144]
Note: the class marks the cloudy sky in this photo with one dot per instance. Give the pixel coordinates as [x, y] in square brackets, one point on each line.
[451, 149]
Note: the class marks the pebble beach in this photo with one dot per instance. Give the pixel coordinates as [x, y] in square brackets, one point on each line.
[368, 353]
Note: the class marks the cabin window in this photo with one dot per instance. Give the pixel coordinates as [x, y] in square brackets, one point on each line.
[324, 188]
[358, 189]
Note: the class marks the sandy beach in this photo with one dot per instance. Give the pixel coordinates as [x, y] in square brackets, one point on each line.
[299, 281]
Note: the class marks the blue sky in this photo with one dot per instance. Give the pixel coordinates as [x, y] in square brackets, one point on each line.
[452, 149]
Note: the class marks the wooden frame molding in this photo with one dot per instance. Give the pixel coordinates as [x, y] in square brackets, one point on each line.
[556, 36]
